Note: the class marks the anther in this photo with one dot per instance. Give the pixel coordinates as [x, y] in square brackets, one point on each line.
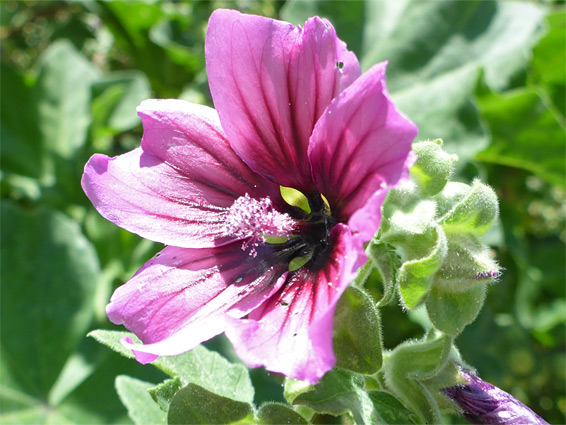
[254, 220]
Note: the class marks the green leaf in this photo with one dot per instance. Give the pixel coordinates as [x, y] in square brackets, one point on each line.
[92, 402]
[278, 413]
[442, 107]
[163, 393]
[526, 134]
[451, 312]
[143, 32]
[212, 372]
[200, 366]
[78, 367]
[172, 37]
[431, 37]
[95, 401]
[112, 339]
[48, 287]
[344, 15]
[340, 392]
[196, 405]
[141, 407]
[21, 148]
[549, 57]
[335, 394]
[116, 97]
[357, 333]
[64, 94]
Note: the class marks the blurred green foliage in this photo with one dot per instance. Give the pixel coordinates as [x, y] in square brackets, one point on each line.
[488, 77]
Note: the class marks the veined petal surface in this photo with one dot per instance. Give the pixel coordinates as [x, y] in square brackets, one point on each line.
[360, 146]
[291, 333]
[184, 296]
[176, 188]
[190, 139]
[270, 82]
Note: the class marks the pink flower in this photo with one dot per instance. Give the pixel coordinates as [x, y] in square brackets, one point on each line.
[292, 110]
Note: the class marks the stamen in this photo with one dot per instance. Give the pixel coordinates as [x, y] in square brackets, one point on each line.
[254, 220]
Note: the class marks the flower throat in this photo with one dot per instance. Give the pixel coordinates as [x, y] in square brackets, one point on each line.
[301, 238]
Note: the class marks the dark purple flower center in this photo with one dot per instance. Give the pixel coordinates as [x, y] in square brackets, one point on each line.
[300, 237]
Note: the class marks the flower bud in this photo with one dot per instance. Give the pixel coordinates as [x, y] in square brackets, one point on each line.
[468, 263]
[433, 168]
[469, 209]
[484, 403]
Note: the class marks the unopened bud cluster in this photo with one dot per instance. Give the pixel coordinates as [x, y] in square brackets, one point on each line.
[435, 228]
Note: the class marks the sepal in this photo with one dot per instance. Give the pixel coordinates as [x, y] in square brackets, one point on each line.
[414, 371]
[451, 312]
[417, 276]
[467, 265]
[471, 209]
[357, 333]
[433, 168]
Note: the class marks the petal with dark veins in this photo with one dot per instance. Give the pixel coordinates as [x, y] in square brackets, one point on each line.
[185, 296]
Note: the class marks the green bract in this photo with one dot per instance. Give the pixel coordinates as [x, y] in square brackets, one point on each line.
[434, 227]
[416, 370]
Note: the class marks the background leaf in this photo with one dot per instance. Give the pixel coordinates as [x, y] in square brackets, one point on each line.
[526, 134]
[64, 93]
[21, 144]
[199, 366]
[141, 407]
[45, 251]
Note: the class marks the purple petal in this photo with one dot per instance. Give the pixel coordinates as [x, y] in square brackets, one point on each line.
[361, 146]
[484, 403]
[184, 296]
[291, 333]
[189, 138]
[175, 188]
[270, 82]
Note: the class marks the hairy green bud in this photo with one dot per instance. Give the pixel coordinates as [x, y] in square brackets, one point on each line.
[434, 227]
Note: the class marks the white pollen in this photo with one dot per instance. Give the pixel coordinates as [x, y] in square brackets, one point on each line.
[255, 219]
